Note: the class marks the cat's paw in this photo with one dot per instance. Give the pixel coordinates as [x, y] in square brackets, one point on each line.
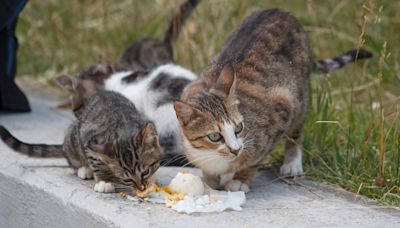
[236, 185]
[85, 173]
[104, 187]
[294, 168]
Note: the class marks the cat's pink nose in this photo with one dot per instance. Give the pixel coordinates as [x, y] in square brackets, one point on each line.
[235, 152]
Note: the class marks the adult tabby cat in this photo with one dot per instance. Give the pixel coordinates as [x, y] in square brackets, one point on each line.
[253, 94]
[110, 141]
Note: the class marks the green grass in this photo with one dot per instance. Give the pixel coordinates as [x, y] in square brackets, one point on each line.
[347, 141]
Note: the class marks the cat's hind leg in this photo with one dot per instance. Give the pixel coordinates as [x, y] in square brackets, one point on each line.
[85, 173]
[292, 165]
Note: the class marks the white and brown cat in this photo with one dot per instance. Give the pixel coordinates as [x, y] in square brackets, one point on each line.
[252, 95]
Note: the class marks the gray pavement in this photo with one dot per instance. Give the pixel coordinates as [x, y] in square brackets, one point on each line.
[46, 193]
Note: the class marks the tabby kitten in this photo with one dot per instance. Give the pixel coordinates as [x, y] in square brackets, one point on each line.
[110, 141]
[252, 95]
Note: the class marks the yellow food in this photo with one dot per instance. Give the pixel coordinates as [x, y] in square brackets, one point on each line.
[163, 189]
[122, 195]
[176, 196]
[169, 204]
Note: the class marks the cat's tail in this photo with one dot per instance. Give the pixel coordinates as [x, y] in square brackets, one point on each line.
[178, 20]
[32, 150]
[329, 65]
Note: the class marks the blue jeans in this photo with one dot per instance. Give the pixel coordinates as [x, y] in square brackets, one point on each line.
[11, 97]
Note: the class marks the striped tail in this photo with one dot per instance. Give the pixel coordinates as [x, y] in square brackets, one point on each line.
[32, 150]
[328, 65]
[178, 20]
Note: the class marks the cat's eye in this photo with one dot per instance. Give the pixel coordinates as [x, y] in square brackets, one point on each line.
[126, 181]
[215, 137]
[239, 128]
[146, 172]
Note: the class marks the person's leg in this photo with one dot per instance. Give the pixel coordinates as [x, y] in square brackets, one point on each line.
[11, 97]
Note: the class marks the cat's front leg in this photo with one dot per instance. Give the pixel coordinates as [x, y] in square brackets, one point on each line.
[104, 187]
[85, 173]
[241, 180]
[211, 180]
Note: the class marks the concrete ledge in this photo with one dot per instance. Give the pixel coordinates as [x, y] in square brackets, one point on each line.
[46, 193]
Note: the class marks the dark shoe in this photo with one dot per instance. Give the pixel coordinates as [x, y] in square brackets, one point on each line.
[12, 99]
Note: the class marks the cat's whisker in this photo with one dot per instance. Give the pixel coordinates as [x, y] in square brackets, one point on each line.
[208, 160]
[174, 159]
[200, 158]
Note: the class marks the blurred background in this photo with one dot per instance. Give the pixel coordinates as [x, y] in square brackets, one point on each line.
[352, 136]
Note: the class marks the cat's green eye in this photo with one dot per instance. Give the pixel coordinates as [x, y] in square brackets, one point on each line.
[239, 128]
[215, 137]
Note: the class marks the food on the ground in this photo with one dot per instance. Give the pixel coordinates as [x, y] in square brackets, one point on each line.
[187, 183]
[187, 193]
[176, 196]
[163, 189]
[122, 195]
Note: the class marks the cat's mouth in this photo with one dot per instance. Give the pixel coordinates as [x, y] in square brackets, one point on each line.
[145, 192]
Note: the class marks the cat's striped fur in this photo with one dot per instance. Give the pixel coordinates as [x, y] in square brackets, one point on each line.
[32, 150]
[328, 65]
[110, 141]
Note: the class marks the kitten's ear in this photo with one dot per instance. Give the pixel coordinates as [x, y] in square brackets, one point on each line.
[104, 67]
[67, 82]
[148, 135]
[185, 112]
[226, 83]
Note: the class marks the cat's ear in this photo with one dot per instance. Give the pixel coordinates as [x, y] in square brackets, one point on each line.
[104, 67]
[148, 135]
[185, 112]
[226, 83]
[193, 88]
[67, 82]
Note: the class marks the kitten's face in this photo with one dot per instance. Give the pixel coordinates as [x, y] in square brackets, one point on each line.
[131, 162]
[85, 84]
[212, 125]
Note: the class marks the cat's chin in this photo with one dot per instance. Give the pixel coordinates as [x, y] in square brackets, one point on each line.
[210, 162]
